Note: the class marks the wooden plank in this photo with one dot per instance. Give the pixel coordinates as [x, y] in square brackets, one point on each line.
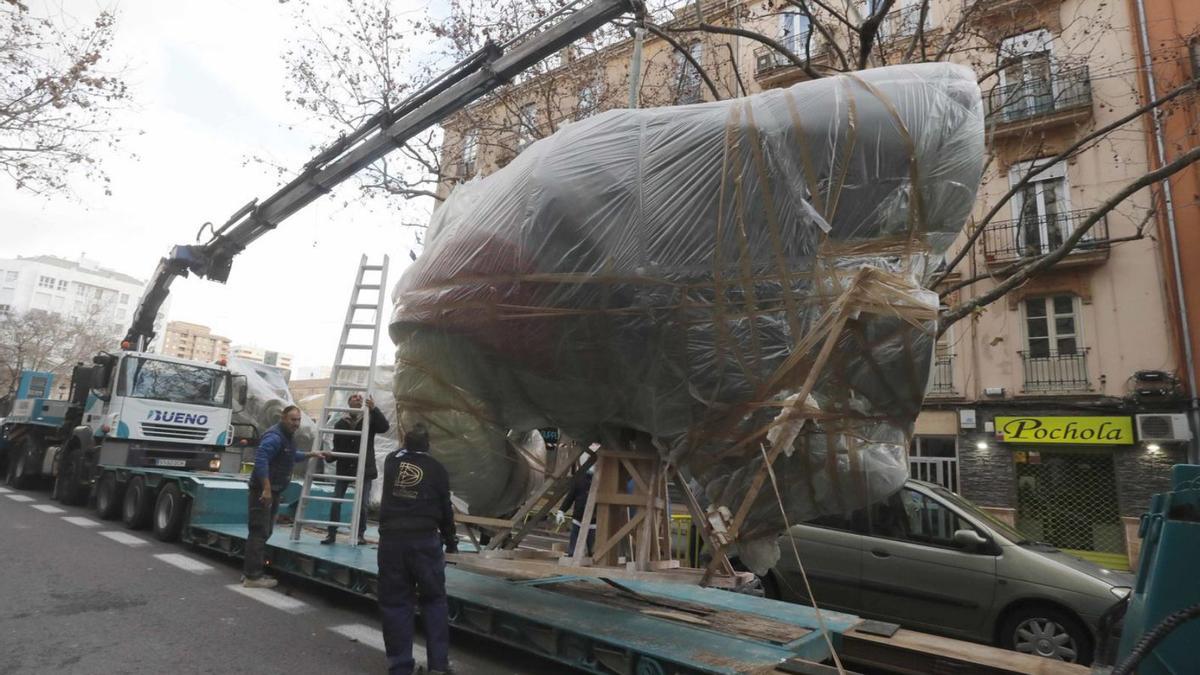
[484, 521]
[560, 485]
[625, 499]
[911, 653]
[585, 523]
[603, 547]
[537, 569]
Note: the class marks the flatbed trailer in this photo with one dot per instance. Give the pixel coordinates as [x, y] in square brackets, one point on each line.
[602, 621]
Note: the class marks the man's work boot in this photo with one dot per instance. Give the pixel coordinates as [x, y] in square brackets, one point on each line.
[261, 582]
[330, 538]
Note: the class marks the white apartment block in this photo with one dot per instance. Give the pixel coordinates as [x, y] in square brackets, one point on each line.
[193, 341]
[76, 289]
[260, 355]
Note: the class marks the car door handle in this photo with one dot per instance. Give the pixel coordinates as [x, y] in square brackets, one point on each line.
[880, 553]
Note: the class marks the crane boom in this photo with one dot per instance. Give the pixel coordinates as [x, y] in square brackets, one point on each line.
[462, 85]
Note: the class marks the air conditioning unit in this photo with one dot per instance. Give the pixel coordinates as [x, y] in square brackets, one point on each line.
[1163, 428]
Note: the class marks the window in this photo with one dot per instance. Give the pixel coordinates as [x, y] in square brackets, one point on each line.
[40, 301]
[80, 289]
[586, 104]
[124, 298]
[11, 276]
[470, 153]
[62, 285]
[1042, 209]
[527, 123]
[934, 459]
[793, 32]
[912, 516]
[1193, 52]
[5, 309]
[46, 282]
[1051, 327]
[1026, 83]
[688, 87]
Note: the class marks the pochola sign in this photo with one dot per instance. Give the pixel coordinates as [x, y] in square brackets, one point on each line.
[1066, 430]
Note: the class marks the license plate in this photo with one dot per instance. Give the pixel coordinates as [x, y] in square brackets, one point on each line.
[170, 462]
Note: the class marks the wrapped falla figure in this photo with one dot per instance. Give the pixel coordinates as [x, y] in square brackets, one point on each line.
[726, 278]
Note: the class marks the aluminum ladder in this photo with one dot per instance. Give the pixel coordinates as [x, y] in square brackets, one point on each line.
[347, 378]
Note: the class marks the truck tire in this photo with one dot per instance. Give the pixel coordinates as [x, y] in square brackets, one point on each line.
[169, 510]
[108, 497]
[67, 485]
[19, 474]
[138, 504]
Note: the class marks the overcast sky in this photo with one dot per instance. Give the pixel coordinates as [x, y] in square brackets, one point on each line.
[209, 83]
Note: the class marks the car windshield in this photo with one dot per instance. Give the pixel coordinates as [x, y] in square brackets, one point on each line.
[1004, 529]
[175, 382]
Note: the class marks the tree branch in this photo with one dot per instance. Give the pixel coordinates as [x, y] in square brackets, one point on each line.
[956, 313]
[749, 34]
[687, 56]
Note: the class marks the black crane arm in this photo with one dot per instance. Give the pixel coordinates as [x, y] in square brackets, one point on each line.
[460, 86]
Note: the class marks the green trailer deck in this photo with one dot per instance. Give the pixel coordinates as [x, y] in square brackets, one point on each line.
[563, 618]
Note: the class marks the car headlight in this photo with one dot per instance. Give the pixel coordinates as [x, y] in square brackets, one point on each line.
[1121, 592]
[214, 464]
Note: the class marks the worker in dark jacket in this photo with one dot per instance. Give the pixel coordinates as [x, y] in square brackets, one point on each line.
[415, 522]
[273, 462]
[348, 466]
[576, 500]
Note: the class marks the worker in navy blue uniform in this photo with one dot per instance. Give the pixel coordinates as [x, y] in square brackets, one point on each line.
[576, 500]
[348, 466]
[415, 522]
[273, 462]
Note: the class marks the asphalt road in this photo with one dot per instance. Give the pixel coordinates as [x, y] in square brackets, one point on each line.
[81, 595]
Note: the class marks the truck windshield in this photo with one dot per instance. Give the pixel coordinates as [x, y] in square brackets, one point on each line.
[175, 382]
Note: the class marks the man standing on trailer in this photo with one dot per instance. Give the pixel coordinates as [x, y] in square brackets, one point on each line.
[415, 521]
[273, 462]
[346, 466]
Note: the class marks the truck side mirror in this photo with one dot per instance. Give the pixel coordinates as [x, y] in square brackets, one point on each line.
[969, 540]
[100, 375]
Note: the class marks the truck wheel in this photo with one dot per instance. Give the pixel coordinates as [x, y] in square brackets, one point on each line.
[168, 513]
[137, 505]
[108, 497]
[19, 475]
[67, 487]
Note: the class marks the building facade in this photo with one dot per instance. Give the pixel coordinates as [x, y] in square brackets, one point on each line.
[1058, 406]
[267, 356]
[78, 289]
[193, 341]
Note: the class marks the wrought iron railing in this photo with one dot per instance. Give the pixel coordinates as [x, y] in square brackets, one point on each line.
[903, 22]
[1055, 372]
[1030, 237]
[941, 380]
[1040, 96]
[767, 58]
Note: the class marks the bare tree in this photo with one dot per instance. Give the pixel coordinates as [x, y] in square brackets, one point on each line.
[56, 98]
[47, 342]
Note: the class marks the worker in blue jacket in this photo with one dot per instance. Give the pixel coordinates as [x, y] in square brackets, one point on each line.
[416, 521]
[273, 462]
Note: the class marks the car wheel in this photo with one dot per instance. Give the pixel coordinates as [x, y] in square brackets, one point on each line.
[1048, 632]
[68, 487]
[168, 513]
[108, 497]
[19, 475]
[137, 505]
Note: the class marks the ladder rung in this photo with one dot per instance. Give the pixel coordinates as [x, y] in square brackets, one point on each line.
[334, 476]
[348, 387]
[340, 500]
[319, 522]
[347, 345]
[338, 409]
[361, 326]
[340, 432]
[369, 287]
[372, 268]
[359, 305]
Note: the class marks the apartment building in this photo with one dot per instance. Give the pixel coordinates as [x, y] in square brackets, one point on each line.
[267, 356]
[193, 341]
[1057, 407]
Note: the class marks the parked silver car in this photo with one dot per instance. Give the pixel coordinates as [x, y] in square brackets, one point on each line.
[930, 560]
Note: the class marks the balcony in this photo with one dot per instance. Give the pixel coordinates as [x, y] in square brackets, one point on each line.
[1055, 373]
[1064, 97]
[941, 380]
[986, 9]
[1007, 242]
[773, 69]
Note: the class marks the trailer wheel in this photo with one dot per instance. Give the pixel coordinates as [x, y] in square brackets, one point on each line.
[108, 497]
[67, 488]
[137, 505]
[168, 513]
[19, 475]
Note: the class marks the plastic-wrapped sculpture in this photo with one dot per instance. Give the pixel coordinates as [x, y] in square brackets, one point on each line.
[676, 270]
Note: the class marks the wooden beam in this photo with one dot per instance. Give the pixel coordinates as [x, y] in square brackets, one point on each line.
[537, 569]
[555, 487]
[585, 523]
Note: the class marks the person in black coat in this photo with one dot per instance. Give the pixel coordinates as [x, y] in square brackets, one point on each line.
[348, 466]
[416, 521]
[576, 500]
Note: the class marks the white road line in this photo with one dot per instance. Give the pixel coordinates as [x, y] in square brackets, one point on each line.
[185, 563]
[124, 538]
[20, 498]
[362, 633]
[271, 598]
[48, 508]
[81, 521]
[4, 491]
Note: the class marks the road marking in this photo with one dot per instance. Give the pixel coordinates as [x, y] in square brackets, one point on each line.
[81, 521]
[48, 508]
[269, 597]
[20, 498]
[4, 491]
[185, 563]
[124, 538]
[359, 632]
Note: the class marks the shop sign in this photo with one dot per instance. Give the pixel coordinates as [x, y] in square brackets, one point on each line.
[1066, 430]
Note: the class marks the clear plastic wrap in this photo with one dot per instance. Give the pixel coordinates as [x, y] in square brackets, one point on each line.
[675, 271]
